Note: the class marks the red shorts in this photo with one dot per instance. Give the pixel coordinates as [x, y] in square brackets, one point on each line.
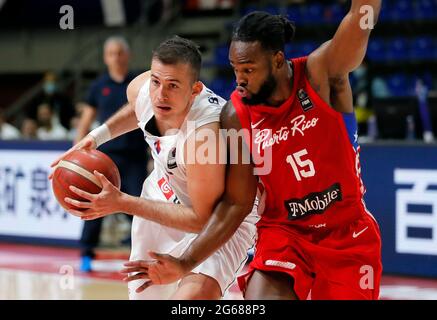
[344, 263]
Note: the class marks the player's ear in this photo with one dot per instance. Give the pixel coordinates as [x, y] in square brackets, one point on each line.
[197, 88]
[279, 59]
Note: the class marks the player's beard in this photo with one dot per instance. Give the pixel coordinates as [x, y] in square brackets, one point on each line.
[264, 93]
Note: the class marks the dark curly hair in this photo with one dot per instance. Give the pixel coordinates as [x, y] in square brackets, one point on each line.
[272, 31]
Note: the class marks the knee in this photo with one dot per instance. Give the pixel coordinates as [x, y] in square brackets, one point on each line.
[198, 287]
[270, 286]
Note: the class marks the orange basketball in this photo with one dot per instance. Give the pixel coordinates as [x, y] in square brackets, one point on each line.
[76, 169]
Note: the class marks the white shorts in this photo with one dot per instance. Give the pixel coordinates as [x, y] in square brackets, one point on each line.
[223, 266]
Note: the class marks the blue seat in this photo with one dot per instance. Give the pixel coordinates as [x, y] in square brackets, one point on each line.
[299, 49]
[290, 50]
[384, 14]
[334, 13]
[247, 9]
[221, 57]
[218, 85]
[422, 48]
[315, 13]
[376, 50]
[222, 86]
[428, 79]
[425, 9]
[311, 14]
[271, 9]
[308, 46]
[294, 14]
[397, 49]
[400, 85]
[353, 80]
[402, 10]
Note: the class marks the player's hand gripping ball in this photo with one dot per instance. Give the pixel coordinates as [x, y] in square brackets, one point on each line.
[76, 169]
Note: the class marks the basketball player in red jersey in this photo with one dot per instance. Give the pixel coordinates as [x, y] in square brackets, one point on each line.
[315, 238]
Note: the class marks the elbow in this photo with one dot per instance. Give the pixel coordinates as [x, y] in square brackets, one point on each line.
[197, 227]
[241, 211]
[197, 224]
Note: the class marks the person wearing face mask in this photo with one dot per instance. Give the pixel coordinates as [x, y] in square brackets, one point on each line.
[51, 94]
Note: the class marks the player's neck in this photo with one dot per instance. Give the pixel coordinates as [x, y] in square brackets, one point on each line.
[284, 86]
[118, 75]
[169, 126]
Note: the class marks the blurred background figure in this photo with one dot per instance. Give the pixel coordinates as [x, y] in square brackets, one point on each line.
[7, 131]
[362, 97]
[61, 104]
[29, 129]
[106, 95]
[48, 127]
[74, 124]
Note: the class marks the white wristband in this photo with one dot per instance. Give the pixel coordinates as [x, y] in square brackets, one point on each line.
[101, 134]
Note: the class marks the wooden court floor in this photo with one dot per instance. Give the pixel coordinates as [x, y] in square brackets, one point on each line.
[51, 273]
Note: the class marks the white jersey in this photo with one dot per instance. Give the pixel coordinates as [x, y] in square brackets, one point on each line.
[168, 182]
[167, 151]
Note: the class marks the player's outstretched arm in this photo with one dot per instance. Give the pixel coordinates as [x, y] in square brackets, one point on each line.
[328, 66]
[346, 50]
[236, 202]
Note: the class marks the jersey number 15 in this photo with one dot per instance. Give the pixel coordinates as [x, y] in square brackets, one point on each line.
[301, 168]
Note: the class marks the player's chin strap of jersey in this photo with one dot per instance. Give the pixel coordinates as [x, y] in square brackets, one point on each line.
[101, 134]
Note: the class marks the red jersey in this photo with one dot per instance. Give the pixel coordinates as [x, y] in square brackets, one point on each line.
[315, 174]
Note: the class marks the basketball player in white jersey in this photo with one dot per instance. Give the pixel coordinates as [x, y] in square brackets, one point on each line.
[171, 106]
